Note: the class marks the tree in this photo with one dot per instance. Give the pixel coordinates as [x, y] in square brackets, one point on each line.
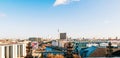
[29, 51]
[110, 49]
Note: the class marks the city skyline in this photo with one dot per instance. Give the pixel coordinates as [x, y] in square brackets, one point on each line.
[43, 18]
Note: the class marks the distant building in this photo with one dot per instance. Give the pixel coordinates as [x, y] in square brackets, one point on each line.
[35, 39]
[62, 35]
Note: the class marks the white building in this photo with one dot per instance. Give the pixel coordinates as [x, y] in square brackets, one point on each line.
[55, 43]
[59, 43]
[91, 44]
[2, 52]
[62, 43]
[104, 45]
[12, 50]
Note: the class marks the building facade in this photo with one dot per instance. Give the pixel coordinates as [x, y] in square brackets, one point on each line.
[63, 36]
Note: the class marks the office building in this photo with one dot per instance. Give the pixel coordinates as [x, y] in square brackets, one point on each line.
[62, 35]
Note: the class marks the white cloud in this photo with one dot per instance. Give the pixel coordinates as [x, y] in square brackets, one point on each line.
[63, 2]
[2, 15]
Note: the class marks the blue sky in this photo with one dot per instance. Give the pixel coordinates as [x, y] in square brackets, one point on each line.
[42, 18]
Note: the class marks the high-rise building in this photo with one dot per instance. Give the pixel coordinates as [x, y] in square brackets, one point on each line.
[62, 35]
